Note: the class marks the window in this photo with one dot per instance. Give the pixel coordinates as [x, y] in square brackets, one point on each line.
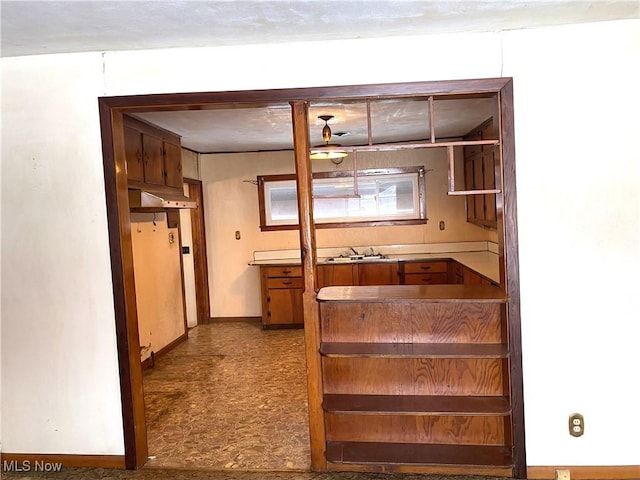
[388, 196]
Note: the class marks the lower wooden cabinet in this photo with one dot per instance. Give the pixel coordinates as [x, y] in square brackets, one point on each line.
[282, 296]
[377, 273]
[335, 275]
[424, 273]
[282, 286]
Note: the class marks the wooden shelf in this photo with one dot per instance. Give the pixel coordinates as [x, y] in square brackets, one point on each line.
[416, 405]
[414, 350]
[418, 454]
[457, 294]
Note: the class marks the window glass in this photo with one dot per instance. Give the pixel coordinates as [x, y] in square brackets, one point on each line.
[379, 196]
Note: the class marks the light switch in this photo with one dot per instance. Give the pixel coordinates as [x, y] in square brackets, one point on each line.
[237, 234]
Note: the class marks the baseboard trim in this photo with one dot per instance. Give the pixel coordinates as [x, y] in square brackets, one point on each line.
[150, 361]
[34, 462]
[235, 319]
[616, 472]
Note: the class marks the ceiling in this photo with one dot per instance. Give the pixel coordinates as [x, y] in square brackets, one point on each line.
[42, 27]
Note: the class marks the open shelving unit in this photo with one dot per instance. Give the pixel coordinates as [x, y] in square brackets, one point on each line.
[416, 378]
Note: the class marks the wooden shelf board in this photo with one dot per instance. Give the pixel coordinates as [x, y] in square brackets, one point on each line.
[418, 454]
[416, 405]
[414, 350]
[414, 293]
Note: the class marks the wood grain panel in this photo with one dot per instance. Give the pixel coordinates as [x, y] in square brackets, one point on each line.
[470, 376]
[453, 322]
[406, 323]
[363, 322]
[422, 376]
[423, 454]
[329, 275]
[382, 376]
[450, 430]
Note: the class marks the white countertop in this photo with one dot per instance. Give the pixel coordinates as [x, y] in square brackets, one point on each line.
[484, 262]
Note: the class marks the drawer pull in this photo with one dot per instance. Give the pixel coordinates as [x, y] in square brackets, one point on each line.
[286, 272]
[425, 268]
[287, 283]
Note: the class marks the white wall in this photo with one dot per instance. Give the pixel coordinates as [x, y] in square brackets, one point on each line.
[576, 107]
[190, 169]
[578, 175]
[158, 282]
[60, 386]
[231, 204]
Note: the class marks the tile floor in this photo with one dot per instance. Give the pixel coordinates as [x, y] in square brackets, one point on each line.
[228, 404]
[233, 396]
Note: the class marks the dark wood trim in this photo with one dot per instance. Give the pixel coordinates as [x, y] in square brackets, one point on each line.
[150, 361]
[111, 111]
[199, 247]
[311, 310]
[235, 319]
[437, 470]
[249, 98]
[510, 273]
[153, 130]
[126, 317]
[66, 460]
[610, 472]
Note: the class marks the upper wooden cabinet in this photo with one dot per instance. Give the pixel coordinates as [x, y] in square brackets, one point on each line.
[480, 174]
[133, 154]
[173, 165]
[153, 155]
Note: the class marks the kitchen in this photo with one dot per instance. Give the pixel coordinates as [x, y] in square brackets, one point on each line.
[228, 185]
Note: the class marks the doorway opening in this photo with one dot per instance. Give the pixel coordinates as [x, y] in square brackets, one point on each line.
[111, 114]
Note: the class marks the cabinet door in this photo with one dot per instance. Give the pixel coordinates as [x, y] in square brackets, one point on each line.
[426, 279]
[470, 277]
[133, 154]
[377, 273]
[335, 275]
[173, 165]
[153, 159]
[284, 306]
[456, 275]
[480, 174]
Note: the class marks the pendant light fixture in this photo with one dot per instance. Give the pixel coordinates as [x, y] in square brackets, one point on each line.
[328, 151]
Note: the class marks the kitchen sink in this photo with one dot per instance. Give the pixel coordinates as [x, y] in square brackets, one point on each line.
[356, 258]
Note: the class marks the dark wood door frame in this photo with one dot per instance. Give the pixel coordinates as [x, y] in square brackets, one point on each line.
[111, 110]
[199, 251]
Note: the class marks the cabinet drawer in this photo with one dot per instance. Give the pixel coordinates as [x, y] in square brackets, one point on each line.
[293, 282]
[425, 267]
[426, 279]
[284, 271]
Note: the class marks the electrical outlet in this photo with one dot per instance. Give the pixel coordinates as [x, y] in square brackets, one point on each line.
[563, 475]
[576, 424]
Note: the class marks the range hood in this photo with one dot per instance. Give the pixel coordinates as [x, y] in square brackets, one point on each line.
[142, 200]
